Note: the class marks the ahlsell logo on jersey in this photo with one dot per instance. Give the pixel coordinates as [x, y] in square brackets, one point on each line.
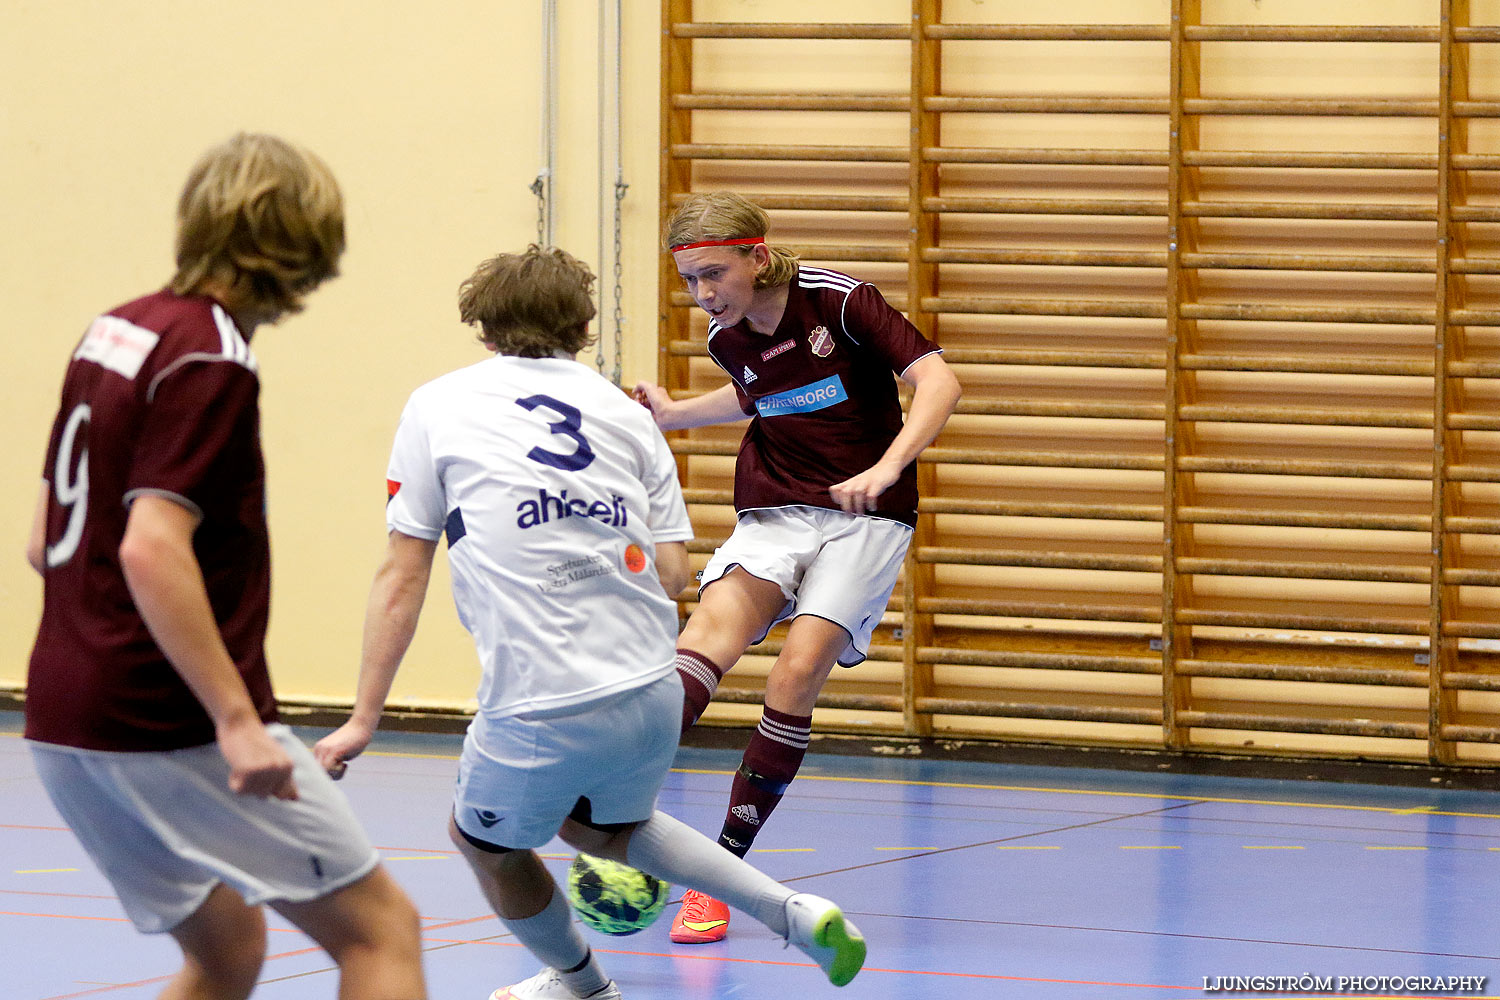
[781, 348]
[821, 341]
[548, 507]
[749, 376]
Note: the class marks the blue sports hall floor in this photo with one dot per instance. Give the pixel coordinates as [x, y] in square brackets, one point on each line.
[970, 880]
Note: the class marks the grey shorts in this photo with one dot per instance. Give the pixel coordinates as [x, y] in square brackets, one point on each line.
[164, 828]
[521, 775]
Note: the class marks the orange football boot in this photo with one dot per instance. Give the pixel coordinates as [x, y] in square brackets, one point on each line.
[700, 920]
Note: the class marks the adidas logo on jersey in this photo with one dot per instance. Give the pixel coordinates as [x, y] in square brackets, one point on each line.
[750, 376]
[548, 507]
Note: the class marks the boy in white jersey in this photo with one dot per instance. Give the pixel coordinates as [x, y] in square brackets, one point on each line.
[825, 485]
[566, 533]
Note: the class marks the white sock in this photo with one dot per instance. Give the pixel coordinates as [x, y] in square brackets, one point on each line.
[674, 851]
[553, 937]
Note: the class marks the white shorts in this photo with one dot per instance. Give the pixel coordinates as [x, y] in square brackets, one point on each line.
[521, 775]
[164, 828]
[829, 564]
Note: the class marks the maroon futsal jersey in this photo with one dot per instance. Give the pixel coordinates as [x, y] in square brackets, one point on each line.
[821, 394]
[161, 398]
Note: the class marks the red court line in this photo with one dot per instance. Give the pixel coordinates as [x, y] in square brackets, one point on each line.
[22, 826]
[62, 916]
[993, 977]
[868, 970]
[110, 989]
[159, 979]
[126, 920]
[74, 916]
[458, 923]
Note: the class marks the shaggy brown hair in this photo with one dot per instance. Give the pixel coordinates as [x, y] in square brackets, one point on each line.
[532, 304]
[263, 216]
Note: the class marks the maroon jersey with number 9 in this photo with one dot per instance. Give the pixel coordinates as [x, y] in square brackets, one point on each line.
[161, 398]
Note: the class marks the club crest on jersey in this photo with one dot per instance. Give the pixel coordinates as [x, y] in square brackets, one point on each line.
[749, 376]
[781, 348]
[821, 341]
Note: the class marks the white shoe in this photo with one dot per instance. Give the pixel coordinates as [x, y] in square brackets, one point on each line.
[817, 927]
[548, 985]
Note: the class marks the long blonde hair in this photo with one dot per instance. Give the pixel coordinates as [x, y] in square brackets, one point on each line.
[262, 215]
[724, 215]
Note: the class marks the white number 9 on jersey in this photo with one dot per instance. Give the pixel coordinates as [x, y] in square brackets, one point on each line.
[71, 487]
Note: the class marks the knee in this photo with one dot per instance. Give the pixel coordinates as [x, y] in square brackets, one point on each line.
[403, 926]
[389, 924]
[707, 628]
[797, 673]
[481, 861]
[231, 969]
[223, 946]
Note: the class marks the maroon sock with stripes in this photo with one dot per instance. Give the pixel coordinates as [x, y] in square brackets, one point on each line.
[771, 761]
[700, 679]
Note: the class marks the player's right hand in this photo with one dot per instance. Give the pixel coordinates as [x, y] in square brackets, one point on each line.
[258, 765]
[652, 396]
[334, 751]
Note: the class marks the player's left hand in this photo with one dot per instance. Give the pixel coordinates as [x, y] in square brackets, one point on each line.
[861, 494]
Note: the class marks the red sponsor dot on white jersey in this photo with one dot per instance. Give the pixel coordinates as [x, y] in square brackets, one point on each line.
[635, 559]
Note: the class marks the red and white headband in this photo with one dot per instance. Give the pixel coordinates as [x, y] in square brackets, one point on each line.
[747, 241]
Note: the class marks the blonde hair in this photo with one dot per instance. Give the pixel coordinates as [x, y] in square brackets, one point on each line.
[724, 215]
[263, 215]
[532, 304]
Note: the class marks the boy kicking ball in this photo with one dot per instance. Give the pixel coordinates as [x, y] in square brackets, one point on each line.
[566, 534]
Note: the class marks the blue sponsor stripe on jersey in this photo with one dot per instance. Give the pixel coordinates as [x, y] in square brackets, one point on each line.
[814, 396]
[455, 527]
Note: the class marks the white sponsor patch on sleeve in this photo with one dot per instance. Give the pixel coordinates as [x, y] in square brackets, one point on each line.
[117, 344]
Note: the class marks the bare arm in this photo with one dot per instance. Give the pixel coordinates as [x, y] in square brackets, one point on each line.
[166, 583]
[672, 567]
[36, 542]
[391, 615]
[721, 406]
[936, 393]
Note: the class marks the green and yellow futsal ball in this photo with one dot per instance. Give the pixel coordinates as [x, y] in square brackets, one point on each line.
[614, 898]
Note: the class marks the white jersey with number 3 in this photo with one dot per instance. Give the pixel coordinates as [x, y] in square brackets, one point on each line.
[553, 488]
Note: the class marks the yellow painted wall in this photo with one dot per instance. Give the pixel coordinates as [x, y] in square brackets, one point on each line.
[430, 116]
